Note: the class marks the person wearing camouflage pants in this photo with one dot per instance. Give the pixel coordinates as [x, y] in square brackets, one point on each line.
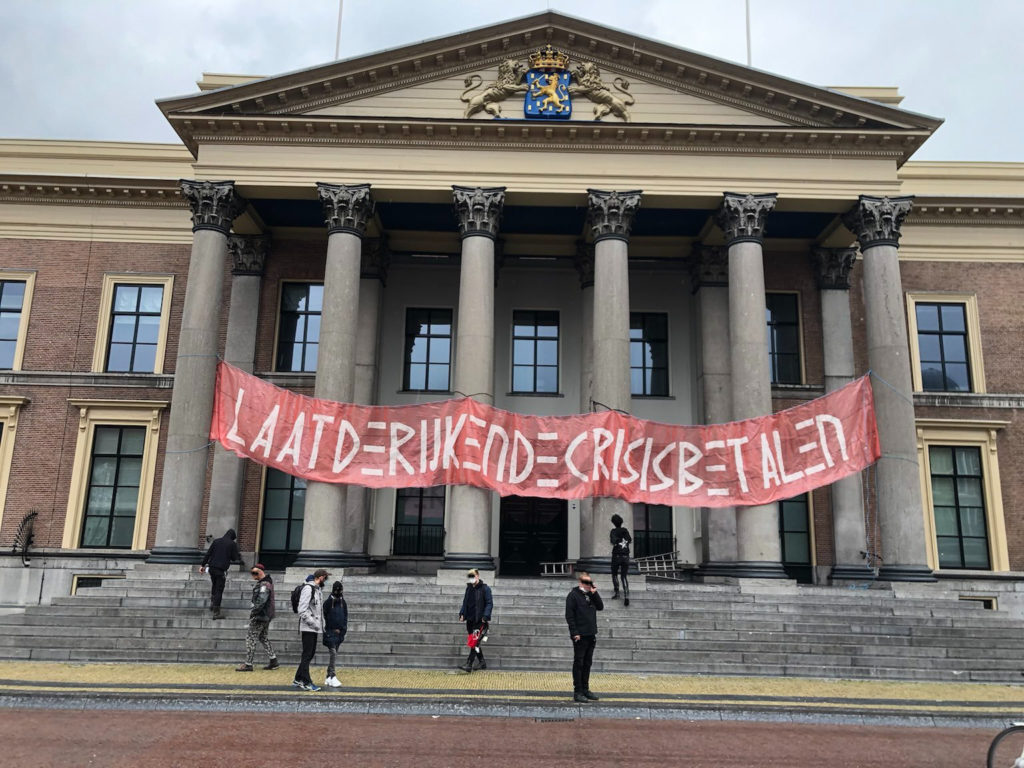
[260, 615]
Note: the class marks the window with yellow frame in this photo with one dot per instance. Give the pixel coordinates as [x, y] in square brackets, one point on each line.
[945, 342]
[16, 290]
[131, 333]
[963, 502]
[112, 479]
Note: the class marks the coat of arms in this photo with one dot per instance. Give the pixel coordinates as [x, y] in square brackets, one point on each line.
[547, 82]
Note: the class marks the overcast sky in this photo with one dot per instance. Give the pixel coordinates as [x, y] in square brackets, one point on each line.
[91, 69]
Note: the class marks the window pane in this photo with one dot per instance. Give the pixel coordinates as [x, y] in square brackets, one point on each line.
[945, 521]
[315, 297]
[794, 516]
[953, 317]
[295, 534]
[276, 504]
[418, 351]
[312, 353]
[148, 329]
[928, 343]
[94, 532]
[437, 381]
[968, 461]
[441, 322]
[636, 381]
[656, 325]
[927, 317]
[636, 353]
[126, 298]
[126, 502]
[786, 339]
[100, 500]
[123, 328]
[151, 299]
[407, 511]
[105, 440]
[547, 379]
[278, 479]
[798, 548]
[788, 369]
[440, 350]
[972, 521]
[521, 329]
[942, 492]
[133, 441]
[659, 382]
[957, 379]
[9, 323]
[103, 470]
[299, 500]
[932, 379]
[547, 353]
[522, 352]
[659, 518]
[417, 376]
[432, 511]
[976, 553]
[145, 358]
[7, 349]
[416, 322]
[312, 328]
[130, 472]
[274, 534]
[968, 490]
[658, 354]
[782, 307]
[522, 379]
[547, 326]
[293, 297]
[953, 348]
[941, 460]
[12, 294]
[949, 552]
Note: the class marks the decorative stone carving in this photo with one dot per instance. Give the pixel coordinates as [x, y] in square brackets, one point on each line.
[375, 259]
[708, 266]
[588, 83]
[834, 266]
[511, 74]
[248, 254]
[610, 214]
[478, 210]
[347, 208]
[742, 217]
[877, 220]
[584, 261]
[215, 204]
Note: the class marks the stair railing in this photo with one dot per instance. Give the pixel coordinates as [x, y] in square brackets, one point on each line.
[23, 538]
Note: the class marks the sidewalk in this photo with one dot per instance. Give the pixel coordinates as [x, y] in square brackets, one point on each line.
[541, 695]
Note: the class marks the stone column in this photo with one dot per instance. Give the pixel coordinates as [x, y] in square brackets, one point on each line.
[589, 546]
[833, 267]
[248, 258]
[709, 281]
[876, 222]
[610, 218]
[478, 212]
[373, 275]
[215, 204]
[347, 209]
[742, 219]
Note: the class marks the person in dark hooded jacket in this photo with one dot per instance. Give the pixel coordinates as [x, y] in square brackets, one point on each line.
[219, 557]
[476, 608]
[335, 628]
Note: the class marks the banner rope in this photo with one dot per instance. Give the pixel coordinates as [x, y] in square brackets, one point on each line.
[890, 386]
[606, 407]
[193, 450]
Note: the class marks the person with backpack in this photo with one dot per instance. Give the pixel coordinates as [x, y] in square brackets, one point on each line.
[261, 613]
[476, 612]
[308, 602]
[219, 557]
[335, 627]
[621, 540]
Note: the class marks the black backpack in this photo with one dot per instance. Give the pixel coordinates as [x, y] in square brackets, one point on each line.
[297, 594]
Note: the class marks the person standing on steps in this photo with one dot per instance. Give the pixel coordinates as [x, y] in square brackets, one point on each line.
[476, 612]
[261, 613]
[311, 624]
[581, 607]
[219, 557]
[335, 628]
[621, 540]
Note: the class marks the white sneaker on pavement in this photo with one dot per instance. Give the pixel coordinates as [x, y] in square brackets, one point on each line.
[333, 682]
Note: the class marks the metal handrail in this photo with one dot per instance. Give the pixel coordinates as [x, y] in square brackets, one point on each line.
[23, 537]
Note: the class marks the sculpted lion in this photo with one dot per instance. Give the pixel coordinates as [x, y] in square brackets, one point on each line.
[509, 83]
[588, 83]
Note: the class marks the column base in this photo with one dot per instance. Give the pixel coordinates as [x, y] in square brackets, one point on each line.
[742, 569]
[482, 561]
[320, 558]
[851, 573]
[175, 556]
[715, 569]
[919, 573]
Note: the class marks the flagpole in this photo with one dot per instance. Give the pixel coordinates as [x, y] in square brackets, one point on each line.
[747, 2]
[337, 38]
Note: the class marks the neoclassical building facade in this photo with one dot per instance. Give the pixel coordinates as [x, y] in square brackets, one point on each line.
[545, 215]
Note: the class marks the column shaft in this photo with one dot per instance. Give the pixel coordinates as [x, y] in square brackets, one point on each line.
[589, 546]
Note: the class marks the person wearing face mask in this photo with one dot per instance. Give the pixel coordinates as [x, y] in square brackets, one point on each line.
[335, 627]
[476, 612]
[581, 607]
[261, 613]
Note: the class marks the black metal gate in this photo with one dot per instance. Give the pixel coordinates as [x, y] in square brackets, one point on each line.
[532, 531]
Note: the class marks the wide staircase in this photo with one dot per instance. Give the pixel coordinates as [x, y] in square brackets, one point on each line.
[153, 616]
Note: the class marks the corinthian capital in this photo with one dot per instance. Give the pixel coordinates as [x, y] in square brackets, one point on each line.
[611, 214]
[742, 217]
[214, 204]
[248, 254]
[877, 220]
[376, 259]
[834, 266]
[347, 207]
[584, 261]
[709, 266]
[478, 210]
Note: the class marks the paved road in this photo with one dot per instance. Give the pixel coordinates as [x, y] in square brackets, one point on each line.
[112, 739]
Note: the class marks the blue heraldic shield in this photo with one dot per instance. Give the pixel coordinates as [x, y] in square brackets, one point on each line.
[547, 96]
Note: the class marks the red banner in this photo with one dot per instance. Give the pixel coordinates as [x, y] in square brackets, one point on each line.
[565, 457]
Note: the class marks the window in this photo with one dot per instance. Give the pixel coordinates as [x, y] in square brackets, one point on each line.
[131, 336]
[428, 350]
[534, 351]
[795, 535]
[648, 353]
[419, 521]
[298, 335]
[15, 301]
[961, 488]
[945, 343]
[9, 410]
[783, 319]
[284, 506]
[652, 530]
[112, 479]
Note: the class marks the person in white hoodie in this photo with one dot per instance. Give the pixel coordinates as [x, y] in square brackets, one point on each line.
[311, 625]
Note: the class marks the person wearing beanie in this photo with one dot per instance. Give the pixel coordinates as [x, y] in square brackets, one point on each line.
[219, 557]
[335, 627]
[621, 540]
[261, 613]
[311, 624]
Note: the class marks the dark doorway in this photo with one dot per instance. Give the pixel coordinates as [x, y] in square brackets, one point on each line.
[533, 531]
[795, 533]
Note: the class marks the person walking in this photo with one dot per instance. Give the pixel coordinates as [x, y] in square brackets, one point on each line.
[476, 612]
[219, 557]
[311, 624]
[621, 540]
[261, 613]
[581, 607]
[335, 627]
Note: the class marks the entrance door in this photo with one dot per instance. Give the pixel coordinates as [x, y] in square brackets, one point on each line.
[532, 531]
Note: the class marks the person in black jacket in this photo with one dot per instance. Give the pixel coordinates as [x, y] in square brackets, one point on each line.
[219, 557]
[621, 540]
[335, 628]
[261, 613]
[476, 612]
[581, 607]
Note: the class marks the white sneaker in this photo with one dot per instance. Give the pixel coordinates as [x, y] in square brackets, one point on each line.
[333, 682]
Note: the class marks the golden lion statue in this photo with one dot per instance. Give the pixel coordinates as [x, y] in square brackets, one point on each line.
[509, 82]
[553, 91]
[588, 83]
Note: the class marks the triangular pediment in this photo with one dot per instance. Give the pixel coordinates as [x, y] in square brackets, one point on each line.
[644, 82]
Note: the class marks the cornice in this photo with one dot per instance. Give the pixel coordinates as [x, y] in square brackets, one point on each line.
[88, 190]
[967, 211]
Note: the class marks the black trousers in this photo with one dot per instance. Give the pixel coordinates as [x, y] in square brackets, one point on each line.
[471, 627]
[308, 652]
[217, 580]
[620, 570]
[582, 658]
